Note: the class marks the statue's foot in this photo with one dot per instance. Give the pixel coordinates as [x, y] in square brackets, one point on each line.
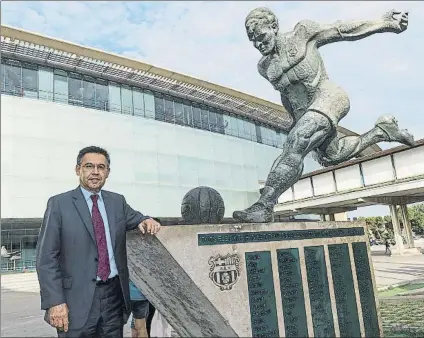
[257, 213]
[390, 126]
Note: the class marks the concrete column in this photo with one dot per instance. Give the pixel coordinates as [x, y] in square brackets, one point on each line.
[407, 226]
[332, 218]
[396, 229]
[322, 216]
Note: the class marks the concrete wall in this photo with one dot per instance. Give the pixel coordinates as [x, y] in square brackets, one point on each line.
[154, 164]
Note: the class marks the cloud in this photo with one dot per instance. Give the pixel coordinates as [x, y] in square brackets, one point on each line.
[382, 74]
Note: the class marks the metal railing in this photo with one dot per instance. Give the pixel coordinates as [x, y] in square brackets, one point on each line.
[17, 265]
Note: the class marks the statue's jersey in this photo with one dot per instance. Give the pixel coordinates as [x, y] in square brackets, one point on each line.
[298, 73]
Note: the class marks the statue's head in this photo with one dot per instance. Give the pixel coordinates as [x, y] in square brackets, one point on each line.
[262, 28]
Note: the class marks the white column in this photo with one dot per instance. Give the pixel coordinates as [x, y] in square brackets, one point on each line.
[407, 226]
[396, 229]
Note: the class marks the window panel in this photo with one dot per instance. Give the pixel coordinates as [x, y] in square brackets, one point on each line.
[220, 122]
[240, 128]
[13, 78]
[213, 121]
[265, 135]
[270, 136]
[197, 122]
[2, 77]
[273, 136]
[179, 112]
[138, 101]
[279, 140]
[149, 105]
[75, 89]
[89, 92]
[30, 80]
[204, 116]
[45, 83]
[234, 126]
[60, 86]
[258, 133]
[169, 110]
[227, 125]
[248, 129]
[188, 114]
[253, 132]
[283, 138]
[115, 98]
[102, 95]
[159, 107]
[127, 100]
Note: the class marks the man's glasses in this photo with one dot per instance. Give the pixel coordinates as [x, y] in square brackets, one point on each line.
[92, 167]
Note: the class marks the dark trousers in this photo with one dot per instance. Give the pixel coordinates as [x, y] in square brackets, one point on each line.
[150, 317]
[106, 318]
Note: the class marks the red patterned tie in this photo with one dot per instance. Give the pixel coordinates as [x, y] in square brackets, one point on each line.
[103, 268]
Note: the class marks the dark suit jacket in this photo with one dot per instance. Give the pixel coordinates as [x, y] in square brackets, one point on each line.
[67, 252]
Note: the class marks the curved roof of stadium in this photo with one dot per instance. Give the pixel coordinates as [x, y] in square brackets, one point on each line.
[61, 54]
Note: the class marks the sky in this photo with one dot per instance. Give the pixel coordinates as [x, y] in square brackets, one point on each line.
[382, 74]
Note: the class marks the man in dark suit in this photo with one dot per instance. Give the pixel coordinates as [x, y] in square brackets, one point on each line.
[81, 253]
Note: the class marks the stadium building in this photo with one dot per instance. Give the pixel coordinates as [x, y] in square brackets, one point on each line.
[166, 133]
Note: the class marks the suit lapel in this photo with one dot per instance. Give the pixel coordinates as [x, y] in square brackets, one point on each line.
[82, 208]
[110, 211]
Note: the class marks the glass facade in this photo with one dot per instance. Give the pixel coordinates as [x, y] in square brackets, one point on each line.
[44, 83]
[18, 243]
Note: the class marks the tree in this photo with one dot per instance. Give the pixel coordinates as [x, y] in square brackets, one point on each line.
[416, 216]
[376, 226]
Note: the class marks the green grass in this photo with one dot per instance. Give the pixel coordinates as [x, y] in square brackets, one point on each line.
[400, 289]
[402, 317]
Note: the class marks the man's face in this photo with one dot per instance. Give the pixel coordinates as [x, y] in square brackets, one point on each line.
[93, 171]
[263, 38]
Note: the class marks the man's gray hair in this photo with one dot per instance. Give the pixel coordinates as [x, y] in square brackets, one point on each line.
[92, 150]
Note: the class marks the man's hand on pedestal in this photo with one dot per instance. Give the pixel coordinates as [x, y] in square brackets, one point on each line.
[149, 226]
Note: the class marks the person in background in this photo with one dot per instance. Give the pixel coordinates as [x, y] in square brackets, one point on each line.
[140, 312]
[388, 251]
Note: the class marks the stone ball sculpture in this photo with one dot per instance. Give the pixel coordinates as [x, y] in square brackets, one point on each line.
[202, 205]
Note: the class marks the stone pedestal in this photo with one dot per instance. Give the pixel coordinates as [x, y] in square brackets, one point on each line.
[261, 280]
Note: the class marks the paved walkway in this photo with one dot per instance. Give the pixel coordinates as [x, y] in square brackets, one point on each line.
[390, 270]
[21, 316]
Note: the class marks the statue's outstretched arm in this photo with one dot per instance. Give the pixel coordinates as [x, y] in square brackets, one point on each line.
[391, 22]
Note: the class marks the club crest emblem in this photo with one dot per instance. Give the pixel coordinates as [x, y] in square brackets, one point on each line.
[224, 270]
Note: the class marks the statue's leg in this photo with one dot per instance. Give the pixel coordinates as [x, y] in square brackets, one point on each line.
[347, 147]
[309, 132]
